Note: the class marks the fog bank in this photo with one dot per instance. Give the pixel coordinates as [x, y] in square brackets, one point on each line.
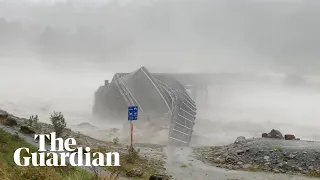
[55, 54]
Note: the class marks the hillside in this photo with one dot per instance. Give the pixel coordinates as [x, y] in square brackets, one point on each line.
[8, 170]
[134, 165]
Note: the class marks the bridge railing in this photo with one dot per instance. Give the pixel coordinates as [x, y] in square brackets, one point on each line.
[182, 118]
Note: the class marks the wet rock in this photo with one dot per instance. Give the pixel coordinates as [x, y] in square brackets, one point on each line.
[134, 173]
[216, 160]
[276, 170]
[222, 161]
[9, 120]
[10, 116]
[159, 177]
[276, 134]
[229, 166]
[239, 152]
[240, 139]
[246, 166]
[267, 158]
[267, 164]
[289, 167]
[264, 135]
[282, 170]
[291, 156]
[231, 160]
[3, 114]
[27, 130]
[274, 156]
[289, 137]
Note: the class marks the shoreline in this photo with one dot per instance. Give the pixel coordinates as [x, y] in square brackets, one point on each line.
[181, 163]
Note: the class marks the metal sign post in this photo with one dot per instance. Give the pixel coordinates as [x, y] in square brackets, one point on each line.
[132, 116]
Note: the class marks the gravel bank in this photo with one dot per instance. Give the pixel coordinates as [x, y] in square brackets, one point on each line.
[264, 154]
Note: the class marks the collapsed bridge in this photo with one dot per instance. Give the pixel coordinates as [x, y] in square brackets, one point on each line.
[162, 100]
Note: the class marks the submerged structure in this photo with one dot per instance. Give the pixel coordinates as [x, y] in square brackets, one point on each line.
[162, 101]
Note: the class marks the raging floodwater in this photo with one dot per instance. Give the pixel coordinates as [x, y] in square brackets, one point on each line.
[236, 110]
[239, 109]
[251, 110]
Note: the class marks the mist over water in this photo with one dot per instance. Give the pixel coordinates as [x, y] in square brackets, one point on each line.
[251, 110]
[54, 56]
[36, 88]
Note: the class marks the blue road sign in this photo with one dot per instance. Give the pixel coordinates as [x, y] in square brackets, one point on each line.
[132, 113]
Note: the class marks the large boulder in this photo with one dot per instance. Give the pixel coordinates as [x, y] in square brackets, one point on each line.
[289, 137]
[12, 117]
[159, 177]
[3, 114]
[8, 120]
[275, 134]
[27, 130]
[264, 135]
[134, 173]
[240, 139]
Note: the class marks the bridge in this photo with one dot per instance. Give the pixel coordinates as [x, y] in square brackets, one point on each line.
[162, 101]
[197, 84]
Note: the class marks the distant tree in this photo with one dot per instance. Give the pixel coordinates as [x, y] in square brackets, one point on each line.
[58, 122]
[32, 121]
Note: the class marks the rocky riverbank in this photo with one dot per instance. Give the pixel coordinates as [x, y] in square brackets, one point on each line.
[141, 166]
[265, 154]
[18, 124]
[273, 153]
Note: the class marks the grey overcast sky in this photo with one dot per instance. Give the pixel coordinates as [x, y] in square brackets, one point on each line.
[197, 35]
